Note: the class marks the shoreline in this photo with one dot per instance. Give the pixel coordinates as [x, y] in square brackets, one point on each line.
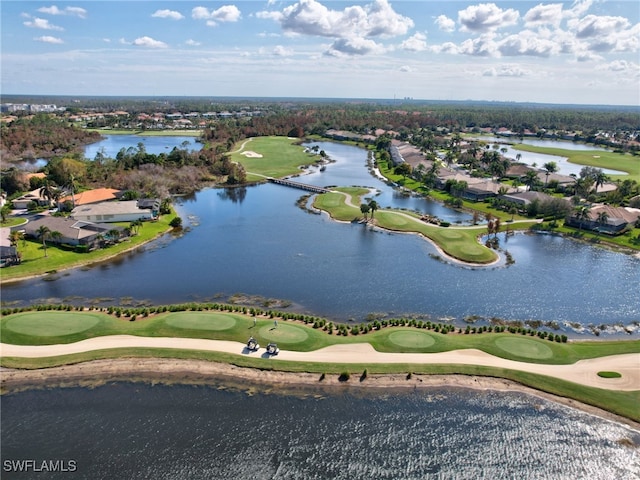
[221, 375]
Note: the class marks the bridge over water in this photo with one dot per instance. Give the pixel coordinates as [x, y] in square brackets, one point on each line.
[299, 185]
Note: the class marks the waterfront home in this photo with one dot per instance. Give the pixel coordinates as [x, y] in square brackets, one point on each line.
[605, 219]
[92, 196]
[73, 232]
[108, 212]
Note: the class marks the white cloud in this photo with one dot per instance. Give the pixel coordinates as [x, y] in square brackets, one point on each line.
[280, 51]
[594, 26]
[354, 46]
[54, 10]
[42, 23]
[226, 13]
[486, 17]
[192, 43]
[506, 71]
[172, 14]
[528, 43]
[483, 46]
[310, 17]
[148, 42]
[579, 8]
[621, 66]
[49, 39]
[445, 24]
[550, 14]
[415, 43]
[405, 69]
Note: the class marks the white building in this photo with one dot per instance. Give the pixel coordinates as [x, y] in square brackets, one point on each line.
[109, 212]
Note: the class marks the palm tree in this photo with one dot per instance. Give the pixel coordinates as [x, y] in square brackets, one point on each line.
[530, 178]
[602, 219]
[47, 191]
[55, 236]
[599, 179]
[373, 206]
[14, 237]
[364, 208]
[550, 167]
[43, 232]
[583, 214]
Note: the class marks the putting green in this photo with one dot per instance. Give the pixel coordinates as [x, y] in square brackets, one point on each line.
[283, 333]
[523, 347]
[51, 324]
[411, 339]
[200, 321]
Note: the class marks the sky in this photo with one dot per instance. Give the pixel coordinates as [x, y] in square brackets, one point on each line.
[576, 52]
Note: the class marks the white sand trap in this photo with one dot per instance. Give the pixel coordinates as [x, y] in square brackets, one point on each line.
[251, 154]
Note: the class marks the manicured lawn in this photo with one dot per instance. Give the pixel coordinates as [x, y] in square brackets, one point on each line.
[35, 263]
[74, 326]
[460, 243]
[12, 222]
[594, 158]
[281, 156]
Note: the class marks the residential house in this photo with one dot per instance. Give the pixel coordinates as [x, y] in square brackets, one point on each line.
[73, 232]
[92, 196]
[8, 256]
[525, 198]
[33, 196]
[617, 219]
[109, 212]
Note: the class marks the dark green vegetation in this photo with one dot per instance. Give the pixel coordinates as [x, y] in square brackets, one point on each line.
[306, 334]
[609, 374]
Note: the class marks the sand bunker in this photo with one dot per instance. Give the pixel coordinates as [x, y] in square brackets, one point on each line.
[251, 154]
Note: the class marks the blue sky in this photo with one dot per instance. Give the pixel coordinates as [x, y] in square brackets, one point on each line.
[583, 52]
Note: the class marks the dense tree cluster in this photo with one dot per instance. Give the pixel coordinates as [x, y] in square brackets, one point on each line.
[43, 136]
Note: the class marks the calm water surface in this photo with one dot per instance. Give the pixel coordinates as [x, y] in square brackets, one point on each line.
[256, 241]
[140, 432]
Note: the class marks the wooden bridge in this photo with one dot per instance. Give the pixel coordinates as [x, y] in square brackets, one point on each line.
[299, 185]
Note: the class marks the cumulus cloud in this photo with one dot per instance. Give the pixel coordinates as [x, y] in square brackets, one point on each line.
[54, 10]
[42, 23]
[506, 71]
[594, 26]
[354, 46]
[280, 51]
[352, 29]
[310, 17]
[148, 42]
[486, 17]
[172, 14]
[192, 43]
[528, 43]
[226, 13]
[621, 66]
[550, 14]
[445, 24]
[406, 69]
[415, 43]
[49, 39]
[483, 46]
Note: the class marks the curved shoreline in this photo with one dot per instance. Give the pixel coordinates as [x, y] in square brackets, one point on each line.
[201, 372]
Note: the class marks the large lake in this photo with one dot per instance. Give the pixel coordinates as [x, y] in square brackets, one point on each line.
[159, 432]
[256, 241]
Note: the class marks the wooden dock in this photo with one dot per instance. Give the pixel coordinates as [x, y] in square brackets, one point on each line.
[301, 186]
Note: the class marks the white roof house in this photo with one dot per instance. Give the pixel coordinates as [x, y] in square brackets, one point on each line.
[108, 212]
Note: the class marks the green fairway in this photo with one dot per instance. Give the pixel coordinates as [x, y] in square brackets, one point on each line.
[54, 324]
[411, 339]
[285, 333]
[594, 158]
[525, 347]
[275, 157]
[459, 243]
[200, 321]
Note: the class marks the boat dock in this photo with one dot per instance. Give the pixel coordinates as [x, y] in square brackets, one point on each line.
[299, 185]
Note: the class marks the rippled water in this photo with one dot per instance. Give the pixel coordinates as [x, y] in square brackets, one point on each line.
[138, 431]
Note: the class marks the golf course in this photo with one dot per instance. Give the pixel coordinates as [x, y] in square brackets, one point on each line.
[602, 374]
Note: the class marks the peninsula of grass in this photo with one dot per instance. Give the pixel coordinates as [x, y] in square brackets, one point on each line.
[594, 158]
[51, 327]
[460, 243]
[605, 374]
[35, 263]
[279, 157]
